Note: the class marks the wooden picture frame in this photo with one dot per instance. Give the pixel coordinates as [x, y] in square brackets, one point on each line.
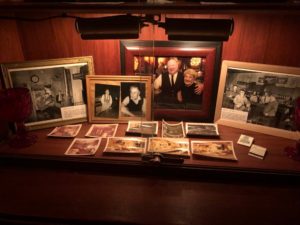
[56, 86]
[269, 105]
[209, 54]
[119, 89]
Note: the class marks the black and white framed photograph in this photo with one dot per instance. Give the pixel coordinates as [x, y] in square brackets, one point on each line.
[118, 98]
[258, 97]
[56, 86]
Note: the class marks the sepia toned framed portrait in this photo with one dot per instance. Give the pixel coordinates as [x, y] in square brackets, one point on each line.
[197, 70]
[56, 86]
[118, 98]
[258, 97]
[125, 145]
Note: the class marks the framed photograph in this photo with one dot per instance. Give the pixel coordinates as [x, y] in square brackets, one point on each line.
[102, 130]
[201, 129]
[118, 98]
[258, 97]
[126, 145]
[147, 128]
[66, 131]
[56, 86]
[214, 149]
[172, 130]
[169, 146]
[198, 62]
[83, 146]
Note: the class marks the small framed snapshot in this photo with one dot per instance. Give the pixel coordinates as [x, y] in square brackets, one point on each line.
[172, 130]
[118, 98]
[56, 86]
[126, 145]
[102, 130]
[214, 149]
[83, 146]
[169, 146]
[201, 130]
[66, 131]
[258, 97]
[147, 128]
[245, 140]
[257, 151]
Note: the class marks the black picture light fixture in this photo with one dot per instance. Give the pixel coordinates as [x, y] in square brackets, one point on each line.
[128, 27]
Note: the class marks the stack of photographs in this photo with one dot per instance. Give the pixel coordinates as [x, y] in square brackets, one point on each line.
[126, 145]
[169, 146]
[214, 149]
[142, 128]
[102, 130]
[67, 131]
[202, 130]
[174, 130]
[83, 146]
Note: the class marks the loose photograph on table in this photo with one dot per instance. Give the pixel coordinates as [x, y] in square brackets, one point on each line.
[126, 145]
[66, 131]
[258, 97]
[169, 146]
[180, 70]
[102, 130]
[118, 98]
[214, 149]
[172, 130]
[83, 146]
[202, 129]
[56, 86]
[149, 128]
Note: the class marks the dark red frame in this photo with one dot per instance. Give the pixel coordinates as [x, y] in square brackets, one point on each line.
[210, 50]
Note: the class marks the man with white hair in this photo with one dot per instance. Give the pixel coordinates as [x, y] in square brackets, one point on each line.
[134, 104]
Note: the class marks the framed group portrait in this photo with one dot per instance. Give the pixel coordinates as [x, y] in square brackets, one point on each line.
[57, 88]
[258, 97]
[116, 98]
[200, 61]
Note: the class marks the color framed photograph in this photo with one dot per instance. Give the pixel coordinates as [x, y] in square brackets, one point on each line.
[118, 98]
[147, 128]
[201, 130]
[66, 131]
[102, 130]
[258, 97]
[172, 130]
[169, 146]
[125, 145]
[56, 86]
[195, 66]
[83, 146]
[214, 149]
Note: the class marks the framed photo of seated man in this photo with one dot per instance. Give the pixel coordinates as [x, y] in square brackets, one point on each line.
[184, 74]
[118, 98]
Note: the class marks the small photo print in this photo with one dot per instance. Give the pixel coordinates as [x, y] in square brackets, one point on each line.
[257, 151]
[202, 129]
[130, 145]
[169, 146]
[245, 140]
[214, 149]
[83, 146]
[172, 130]
[142, 127]
[67, 131]
[102, 130]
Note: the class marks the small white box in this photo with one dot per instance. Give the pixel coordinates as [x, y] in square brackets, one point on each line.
[245, 140]
[257, 151]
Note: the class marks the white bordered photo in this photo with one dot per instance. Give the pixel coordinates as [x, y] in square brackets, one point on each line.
[214, 149]
[126, 145]
[66, 131]
[149, 128]
[169, 146]
[245, 140]
[83, 146]
[257, 151]
[172, 130]
[201, 129]
[102, 130]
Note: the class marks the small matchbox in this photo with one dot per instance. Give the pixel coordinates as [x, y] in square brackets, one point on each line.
[257, 151]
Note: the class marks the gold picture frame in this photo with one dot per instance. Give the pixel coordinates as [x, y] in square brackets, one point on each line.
[270, 103]
[109, 98]
[56, 86]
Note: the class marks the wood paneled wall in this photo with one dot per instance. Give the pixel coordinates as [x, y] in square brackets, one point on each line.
[260, 38]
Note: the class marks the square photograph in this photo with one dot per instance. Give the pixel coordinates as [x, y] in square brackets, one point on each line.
[102, 130]
[245, 140]
[149, 128]
[66, 131]
[126, 145]
[202, 129]
[172, 130]
[83, 146]
[214, 149]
